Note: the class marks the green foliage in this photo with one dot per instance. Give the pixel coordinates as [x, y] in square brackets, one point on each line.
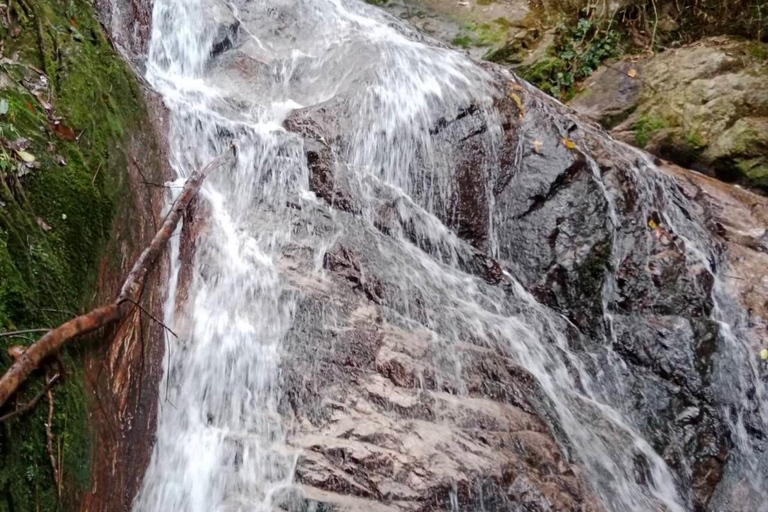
[463, 41]
[646, 127]
[54, 221]
[578, 51]
[695, 140]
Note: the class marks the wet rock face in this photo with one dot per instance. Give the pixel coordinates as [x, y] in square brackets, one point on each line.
[575, 223]
[380, 418]
[380, 425]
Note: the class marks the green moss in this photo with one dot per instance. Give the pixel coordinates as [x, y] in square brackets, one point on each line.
[695, 140]
[647, 126]
[758, 51]
[592, 270]
[55, 219]
[463, 41]
[483, 34]
[755, 172]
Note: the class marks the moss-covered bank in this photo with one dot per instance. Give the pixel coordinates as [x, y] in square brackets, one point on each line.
[67, 101]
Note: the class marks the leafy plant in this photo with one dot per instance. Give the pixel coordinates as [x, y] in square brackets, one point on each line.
[578, 51]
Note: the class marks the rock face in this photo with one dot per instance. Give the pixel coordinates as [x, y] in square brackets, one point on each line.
[381, 420]
[702, 106]
[595, 232]
[635, 264]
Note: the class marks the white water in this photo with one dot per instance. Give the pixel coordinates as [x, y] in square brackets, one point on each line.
[221, 443]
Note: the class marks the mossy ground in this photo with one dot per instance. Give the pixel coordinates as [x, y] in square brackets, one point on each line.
[482, 34]
[55, 219]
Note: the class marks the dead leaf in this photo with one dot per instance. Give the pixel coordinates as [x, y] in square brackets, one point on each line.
[64, 132]
[514, 97]
[27, 157]
[632, 73]
[537, 146]
[43, 225]
[16, 351]
[19, 144]
[652, 224]
[568, 143]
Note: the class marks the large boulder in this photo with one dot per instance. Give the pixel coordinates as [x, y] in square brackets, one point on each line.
[703, 106]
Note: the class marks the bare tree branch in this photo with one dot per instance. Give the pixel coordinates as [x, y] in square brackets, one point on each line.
[54, 339]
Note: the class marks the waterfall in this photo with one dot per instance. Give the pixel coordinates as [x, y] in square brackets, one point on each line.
[223, 442]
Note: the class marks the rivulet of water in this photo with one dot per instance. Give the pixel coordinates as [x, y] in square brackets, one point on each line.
[221, 442]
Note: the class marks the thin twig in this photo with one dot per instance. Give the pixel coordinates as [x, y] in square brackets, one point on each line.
[93, 181]
[150, 315]
[33, 402]
[23, 331]
[49, 443]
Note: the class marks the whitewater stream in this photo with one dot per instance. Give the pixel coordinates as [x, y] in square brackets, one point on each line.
[223, 442]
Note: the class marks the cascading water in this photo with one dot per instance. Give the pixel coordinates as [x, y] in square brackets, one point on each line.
[222, 443]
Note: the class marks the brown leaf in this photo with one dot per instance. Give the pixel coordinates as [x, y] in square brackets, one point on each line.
[15, 351]
[568, 143]
[43, 225]
[64, 132]
[632, 73]
[537, 146]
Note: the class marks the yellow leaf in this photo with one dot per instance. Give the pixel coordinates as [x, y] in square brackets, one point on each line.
[514, 97]
[632, 73]
[764, 354]
[568, 143]
[537, 146]
[27, 157]
[652, 224]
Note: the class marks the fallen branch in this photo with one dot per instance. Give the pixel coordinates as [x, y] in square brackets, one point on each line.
[129, 294]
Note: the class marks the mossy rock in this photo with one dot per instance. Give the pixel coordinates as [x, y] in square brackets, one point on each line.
[740, 154]
[56, 215]
[702, 107]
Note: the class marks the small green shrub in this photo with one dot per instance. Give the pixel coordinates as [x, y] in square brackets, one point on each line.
[578, 51]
